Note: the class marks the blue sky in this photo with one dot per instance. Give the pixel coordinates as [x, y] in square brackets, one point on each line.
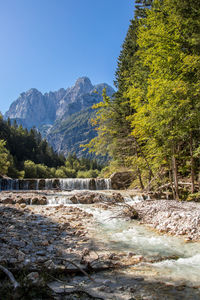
[48, 44]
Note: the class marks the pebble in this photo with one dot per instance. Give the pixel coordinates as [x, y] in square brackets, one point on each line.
[33, 277]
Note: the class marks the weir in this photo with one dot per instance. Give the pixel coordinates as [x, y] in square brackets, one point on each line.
[55, 183]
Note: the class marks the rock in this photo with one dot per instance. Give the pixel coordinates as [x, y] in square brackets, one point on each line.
[41, 184]
[55, 184]
[107, 282]
[23, 205]
[121, 180]
[48, 111]
[21, 200]
[60, 288]
[41, 253]
[131, 254]
[117, 197]
[33, 277]
[7, 200]
[49, 264]
[88, 197]
[21, 256]
[85, 252]
[45, 243]
[39, 201]
[139, 278]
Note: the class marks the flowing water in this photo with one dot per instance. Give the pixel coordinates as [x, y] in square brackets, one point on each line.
[55, 183]
[122, 235]
[177, 260]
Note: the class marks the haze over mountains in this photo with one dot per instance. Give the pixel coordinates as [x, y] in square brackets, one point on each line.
[63, 116]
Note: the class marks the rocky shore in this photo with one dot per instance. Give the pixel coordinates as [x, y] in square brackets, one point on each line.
[48, 247]
[170, 216]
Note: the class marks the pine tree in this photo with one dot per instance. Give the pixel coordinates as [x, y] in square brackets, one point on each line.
[112, 122]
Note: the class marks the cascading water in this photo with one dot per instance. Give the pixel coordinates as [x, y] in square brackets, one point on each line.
[118, 234]
[56, 183]
[9, 184]
[75, 184]
[48, 184]
[103, 184]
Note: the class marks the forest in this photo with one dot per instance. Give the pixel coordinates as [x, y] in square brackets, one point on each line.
[152, 123]
[25, 154]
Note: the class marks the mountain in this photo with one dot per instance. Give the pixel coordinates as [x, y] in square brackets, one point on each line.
[63, 116]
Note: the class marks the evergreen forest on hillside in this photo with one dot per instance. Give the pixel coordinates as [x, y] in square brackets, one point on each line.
[152, 124]
[24, 154]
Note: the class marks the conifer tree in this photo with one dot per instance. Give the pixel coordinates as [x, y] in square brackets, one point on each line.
[112, 121]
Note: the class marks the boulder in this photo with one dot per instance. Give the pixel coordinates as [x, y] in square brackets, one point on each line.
[41, 184]
[94, 197]
[83, 198]
[117, 197]
[39, 201]
[23, 200]
[7, 200]
[56, 184]
[122, 180]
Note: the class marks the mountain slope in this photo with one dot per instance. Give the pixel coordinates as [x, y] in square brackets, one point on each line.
[67, 135]
[63, 116]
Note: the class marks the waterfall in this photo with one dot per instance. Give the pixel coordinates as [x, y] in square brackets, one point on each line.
[75, 184]
[55, 183]
[37, 184]
[103, 184]
[48, 184]
[9, 184]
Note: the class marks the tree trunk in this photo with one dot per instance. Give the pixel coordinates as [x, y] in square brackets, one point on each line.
[140, 178]
[142, 153]
[171, 182]
[175, 173]
[192, 164]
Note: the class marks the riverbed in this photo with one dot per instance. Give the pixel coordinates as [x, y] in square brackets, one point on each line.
[144, 264]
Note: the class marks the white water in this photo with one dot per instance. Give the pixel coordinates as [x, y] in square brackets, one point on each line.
[74, 183]
[63, 184]
[120, 235]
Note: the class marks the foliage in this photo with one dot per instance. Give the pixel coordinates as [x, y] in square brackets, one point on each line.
[88, 174]
[194, 197]
[26, 154]
[4, 155]
[152, 124]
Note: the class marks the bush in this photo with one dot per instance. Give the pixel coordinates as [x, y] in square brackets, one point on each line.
[88, 174]
[43, 171]
[30, 169]
[60, 173]
[194, 197]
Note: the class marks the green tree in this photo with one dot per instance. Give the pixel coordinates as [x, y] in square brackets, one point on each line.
[167, 109]
[30, 169]
[112, 122]
[4, 155]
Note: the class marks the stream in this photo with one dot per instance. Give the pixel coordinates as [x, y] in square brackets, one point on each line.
[169, 258]
[129, 236]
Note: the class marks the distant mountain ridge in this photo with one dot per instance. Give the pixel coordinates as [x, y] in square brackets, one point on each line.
[58, 114]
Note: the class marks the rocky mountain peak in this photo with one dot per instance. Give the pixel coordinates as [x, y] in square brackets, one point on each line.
[50, 112]
[83, 85]
[32, 92]
[84, 82]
